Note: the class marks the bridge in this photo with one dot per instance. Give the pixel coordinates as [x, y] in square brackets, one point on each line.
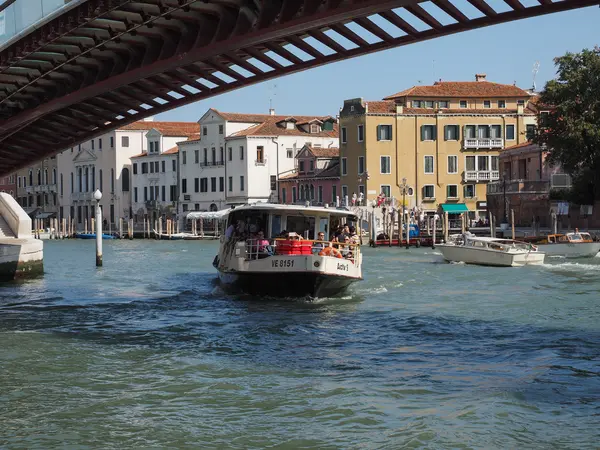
[85, 67]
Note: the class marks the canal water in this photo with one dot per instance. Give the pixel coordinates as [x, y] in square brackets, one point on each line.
[149, 352]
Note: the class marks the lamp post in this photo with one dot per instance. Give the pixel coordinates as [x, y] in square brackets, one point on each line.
[97, 197]
[404, 189]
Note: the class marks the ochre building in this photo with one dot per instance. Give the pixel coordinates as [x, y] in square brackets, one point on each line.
[444, 140]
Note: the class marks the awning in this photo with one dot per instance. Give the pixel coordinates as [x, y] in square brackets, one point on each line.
[208, 215]
[454, 208]
[45, 215]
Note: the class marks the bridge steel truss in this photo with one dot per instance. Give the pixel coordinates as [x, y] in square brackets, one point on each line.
[107, 63]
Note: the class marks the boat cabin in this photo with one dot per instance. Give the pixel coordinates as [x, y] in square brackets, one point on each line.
[569, 238]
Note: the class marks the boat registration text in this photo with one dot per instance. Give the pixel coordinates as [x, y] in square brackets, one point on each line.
[282, 263]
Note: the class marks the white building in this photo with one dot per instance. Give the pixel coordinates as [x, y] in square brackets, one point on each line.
[239, 157]
[155, 171]
[101, 163]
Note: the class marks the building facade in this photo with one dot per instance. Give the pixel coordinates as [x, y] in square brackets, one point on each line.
[316, 178]
[155, 179]
[8, 184]
[239, 158]
[37, 189]
[444, 140]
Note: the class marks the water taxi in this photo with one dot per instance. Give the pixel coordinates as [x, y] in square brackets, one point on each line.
[570, 245]
[488, 251]
[286, 250]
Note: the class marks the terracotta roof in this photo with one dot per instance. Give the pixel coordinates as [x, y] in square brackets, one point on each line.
[462, 89]
[269, 127]
[521, 145]
[171, 151]
[332, 171]
[242, 117]
[166, 128]
[389, 107]
[325, 152]
[141, 155]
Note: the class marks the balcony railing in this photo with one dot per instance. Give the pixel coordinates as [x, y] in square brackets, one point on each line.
[482, 175]
[82, 196]
[212, 163]
[483, 143]
[522, 187]
[260, 162]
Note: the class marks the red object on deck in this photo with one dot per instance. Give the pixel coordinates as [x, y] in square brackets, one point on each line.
[294, 247]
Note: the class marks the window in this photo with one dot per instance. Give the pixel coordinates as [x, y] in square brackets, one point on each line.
[145, 193]
[196, 156]
[469, 131]
[174, 165]
[294, 194]
[470, 163]
[92, 144]
[172, 192]
[183, 186]
[99, 144]
[496, 131]
[301, 167]
[151, 167]
[463, 103]
[124, 180]
[135, 169]
[428, 103]
[221, 155]
[452, 191]
[386, 165]
[289, 153]
[429, 164]
[230, 184]
[386, 190]
[314, 128]
[196, 184]
[451, 133]
[213, 184]
[112, 142]
[320, 194]
[204, 131]
[521, 102]
[241, 153]
[184, 157]
[135, 195]
[501, 104]
[344, 135]
[61, 184]
[260, 154]
[361, 133]
[482, 163]
[230, 154]
[124, 141]
[494, 162]
[344, 167]
[384, 133]
[487, 104]
[184, 207]
[429, 191]
[452, 164]
[312, 166]
[344, 193]
[443, 104]
[361, 165]
[469, 190]
[530, 132]
[112, 181]
[162, 193]
[242, 183]
[100, 179]
[333, 193]
[163, 166]
[416, 103]
[204, 184]
[220, 129]
[221, 184]
[213, 153]
[428, 132]
[510, 132]
[273, 183]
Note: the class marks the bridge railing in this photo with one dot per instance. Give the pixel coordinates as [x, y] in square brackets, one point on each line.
[16, 17]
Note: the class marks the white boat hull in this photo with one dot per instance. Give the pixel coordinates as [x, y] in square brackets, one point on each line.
[571, 250]
[488, 257]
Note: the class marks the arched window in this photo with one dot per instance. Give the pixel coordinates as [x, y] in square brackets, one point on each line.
[30, 177]
[213, 207]
[45, 176]
[125, 180]
[301, 192]
[39, 177]
[312, 191]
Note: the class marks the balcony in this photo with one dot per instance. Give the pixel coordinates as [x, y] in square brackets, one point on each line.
[520, 187]
[212, 163]
[477, 143]
[260, 162]
[481, 175]
[82, 196]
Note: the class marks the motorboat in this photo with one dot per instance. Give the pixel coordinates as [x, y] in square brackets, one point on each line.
[176, 236]
[271, 249]
[489, 251]
[570, 245]
[92, 236]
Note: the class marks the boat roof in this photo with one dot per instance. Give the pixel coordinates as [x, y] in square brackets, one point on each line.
[274, 207]
[491, 239]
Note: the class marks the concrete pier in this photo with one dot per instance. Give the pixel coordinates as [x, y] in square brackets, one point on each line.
[21, 255]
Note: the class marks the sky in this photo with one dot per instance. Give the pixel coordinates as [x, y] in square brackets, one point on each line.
[506, 53]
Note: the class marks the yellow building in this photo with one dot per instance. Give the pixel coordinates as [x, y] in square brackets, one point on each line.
[443, 139]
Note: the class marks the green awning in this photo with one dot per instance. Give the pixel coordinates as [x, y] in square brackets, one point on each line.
[454, 208]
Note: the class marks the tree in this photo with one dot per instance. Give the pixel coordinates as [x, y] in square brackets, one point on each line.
[571, 130]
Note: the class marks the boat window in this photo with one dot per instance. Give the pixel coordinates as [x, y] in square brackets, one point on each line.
[575, 237]
[275, 225]
[324, 226]
[304, 226]
[248, 221]
[586, 236]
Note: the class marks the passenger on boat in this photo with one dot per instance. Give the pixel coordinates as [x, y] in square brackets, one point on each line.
[318, 246]
[263, 247]
[354, 238]
[229, 232]
[345, 249]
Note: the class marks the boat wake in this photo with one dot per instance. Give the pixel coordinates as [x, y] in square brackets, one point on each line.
[575, 267]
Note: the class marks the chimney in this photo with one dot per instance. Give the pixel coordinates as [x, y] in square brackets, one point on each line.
[399, 108]
[520, 109]
[480, 77]
[271, 111]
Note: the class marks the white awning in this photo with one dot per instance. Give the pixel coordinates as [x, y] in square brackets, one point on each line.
[208, 215]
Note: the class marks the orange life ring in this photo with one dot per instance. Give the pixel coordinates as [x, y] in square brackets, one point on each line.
[330, 251]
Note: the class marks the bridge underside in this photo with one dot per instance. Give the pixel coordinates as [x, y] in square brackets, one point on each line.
[107, 63]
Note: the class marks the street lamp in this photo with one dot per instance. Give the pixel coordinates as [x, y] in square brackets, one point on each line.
[404, 188]
[97, 197]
